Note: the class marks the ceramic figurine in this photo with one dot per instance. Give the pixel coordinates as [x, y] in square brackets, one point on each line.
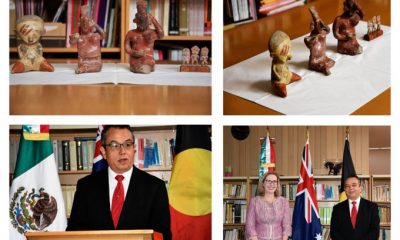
[279, 48]
[186, 56]
[195, 55]
[29, 29]
[204, 56]
[316, 42]
[374, 28]
[344, 28]
[139, 43]
[89, 44]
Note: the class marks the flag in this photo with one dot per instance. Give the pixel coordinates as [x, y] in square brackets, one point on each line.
[36, 200]
[306, 222]
[189, 190]
[99, 163]
[347, 169]
[267, 156]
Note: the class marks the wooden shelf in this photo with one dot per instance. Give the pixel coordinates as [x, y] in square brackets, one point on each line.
[186, 38]
[71, 50]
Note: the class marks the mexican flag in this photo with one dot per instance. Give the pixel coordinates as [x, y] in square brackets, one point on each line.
[36, 201]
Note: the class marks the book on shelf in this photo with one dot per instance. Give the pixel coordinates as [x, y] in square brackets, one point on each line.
[381, 193]
[234, 234]
[326, 191]
[235, 211]
[68, 194]
[384, 214]
[240, 11]
[65, 155]
[235, 190]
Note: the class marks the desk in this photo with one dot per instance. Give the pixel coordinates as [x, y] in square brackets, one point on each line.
[109, 99]
[248, 40]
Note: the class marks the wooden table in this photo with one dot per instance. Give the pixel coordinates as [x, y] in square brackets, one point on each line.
[109, 99]
[247, 40]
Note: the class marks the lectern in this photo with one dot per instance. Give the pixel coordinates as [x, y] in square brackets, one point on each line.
[89, 235]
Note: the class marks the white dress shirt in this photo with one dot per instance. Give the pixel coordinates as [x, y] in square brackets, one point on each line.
[112, 182]
[351, 204]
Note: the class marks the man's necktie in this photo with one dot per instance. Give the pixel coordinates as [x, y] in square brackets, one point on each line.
[117, 200]
[354, 214]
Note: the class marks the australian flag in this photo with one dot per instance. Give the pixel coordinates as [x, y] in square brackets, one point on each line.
[99, 163]
[306, 222]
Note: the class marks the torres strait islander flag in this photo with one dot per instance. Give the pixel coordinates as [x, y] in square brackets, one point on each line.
[99, 163]
[190, 186]
[306, 222]
[36, 200]
[267, 156]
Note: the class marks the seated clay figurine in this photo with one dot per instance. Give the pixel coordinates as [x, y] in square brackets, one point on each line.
[344, 28]
[204, 56]
[279, 48]
[316, 42]
[139, 43]
[29, 29]
[89, 49]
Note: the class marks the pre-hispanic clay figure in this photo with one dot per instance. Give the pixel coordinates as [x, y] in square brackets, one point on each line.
[316, 42]
[139, 43]
[29, 29]
[195, 55]
[204, 56]
[344, 28]
[186, 56]
[89, 44]
[279, 48]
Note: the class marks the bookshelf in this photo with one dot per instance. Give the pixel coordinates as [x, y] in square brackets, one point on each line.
[326, 199]
[68, 179]
[115, 53]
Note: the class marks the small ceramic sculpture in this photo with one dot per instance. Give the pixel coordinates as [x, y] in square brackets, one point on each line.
[191, 59]
[186, 56]
[195, 55]
[204, 56]
[316, 42]
[89, 48]
[344, 28]
[139, 43]
[29, 29]
[279, 48]
[374, 28]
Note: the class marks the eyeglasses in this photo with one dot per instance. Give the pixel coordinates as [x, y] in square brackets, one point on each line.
[352, 185]
[271, 182]
[117, 146]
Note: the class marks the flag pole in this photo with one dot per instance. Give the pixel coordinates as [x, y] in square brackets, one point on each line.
[268, 131]
[347, 132]
[307, 133]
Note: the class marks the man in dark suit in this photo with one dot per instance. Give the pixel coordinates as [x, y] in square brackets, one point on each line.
[121, 197]
[356, 218]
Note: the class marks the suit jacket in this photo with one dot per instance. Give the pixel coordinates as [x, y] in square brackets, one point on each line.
[367, 222]
[145, 207]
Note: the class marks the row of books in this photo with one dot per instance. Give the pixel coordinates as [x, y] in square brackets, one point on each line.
[384, 234]
[154, 152]
[68, 192]
[325, 214]
[28, 7]
[325, 234]
[289, 190]
[327, 191]
[384, 214]
[381, 193]
[73, 155]
[270, 7]
[234, 211]
[234, 234]
[235, 190]
[179, 17]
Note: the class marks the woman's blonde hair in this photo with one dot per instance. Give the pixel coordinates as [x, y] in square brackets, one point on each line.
[261, 190]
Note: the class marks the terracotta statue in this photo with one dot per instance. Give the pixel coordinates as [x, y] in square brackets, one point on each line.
[344, 28]
[139, 43]
[204, 56]
[279, 48]
[29, 29]
[186, 56]
[195, 55]
[316, 42]
[89, 44]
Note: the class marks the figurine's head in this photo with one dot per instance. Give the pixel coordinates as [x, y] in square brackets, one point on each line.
[85, 24]
[204, 51]
[195, 50]
[141, 6]
[186, 52]
[30, 28]
[279, 46]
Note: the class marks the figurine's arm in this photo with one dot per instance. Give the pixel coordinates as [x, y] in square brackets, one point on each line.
[40, 49]
[74, 38]
[128, 49]
[159, 29]
[21, 51]
[102, 33]
[336, 30]
[309, 41]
